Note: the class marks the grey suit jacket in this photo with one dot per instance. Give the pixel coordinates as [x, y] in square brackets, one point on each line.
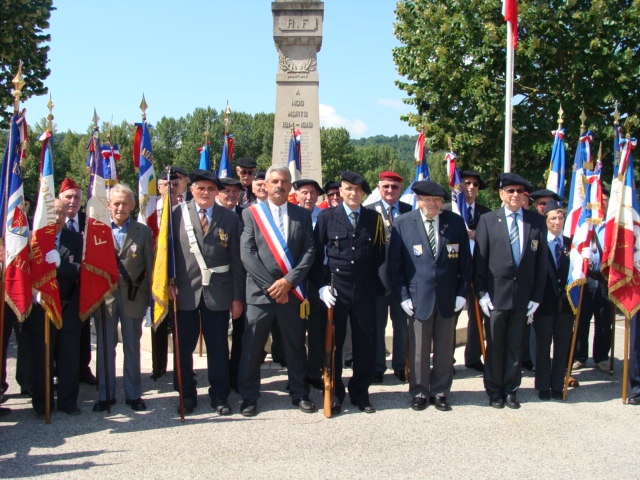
[136, 256]
[219, 246]
[261, 266]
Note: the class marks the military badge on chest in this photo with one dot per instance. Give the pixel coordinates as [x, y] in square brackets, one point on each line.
[453, 250]
[224, 238]
[534, 245]
[133, 250]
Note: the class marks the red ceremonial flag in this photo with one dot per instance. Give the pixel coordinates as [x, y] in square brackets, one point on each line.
[43, 240]
[99, 270]
[510, 12]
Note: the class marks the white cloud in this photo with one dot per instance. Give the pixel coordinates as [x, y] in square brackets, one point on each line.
[395, 104]
[329, 118]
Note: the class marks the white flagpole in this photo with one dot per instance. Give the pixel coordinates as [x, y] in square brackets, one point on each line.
[508, 100]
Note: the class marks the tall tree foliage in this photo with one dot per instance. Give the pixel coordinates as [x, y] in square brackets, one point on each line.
[22, 23]
[578, 53]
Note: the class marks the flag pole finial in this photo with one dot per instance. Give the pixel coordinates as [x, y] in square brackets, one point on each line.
[450, 143]
[227, 114]
[616, 114]
[143, 107]
[560, 119]
[95, 118]
[18, 85]
[50, 106]
[583, 118]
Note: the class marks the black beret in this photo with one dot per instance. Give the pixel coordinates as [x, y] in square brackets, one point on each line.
[545, 192]
[355, 179]
[179, 171]
[233, 182]
[198, 174]
[473, 173]
[553, 205]
[331, 185]
[164, 175]
[507, 179]
[307, 181]
[260, 176]
[246, 162]
[428, 188]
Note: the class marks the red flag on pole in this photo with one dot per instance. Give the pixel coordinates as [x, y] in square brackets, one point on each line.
[510, 12]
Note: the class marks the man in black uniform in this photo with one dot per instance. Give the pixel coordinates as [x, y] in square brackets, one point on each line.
[354, 241]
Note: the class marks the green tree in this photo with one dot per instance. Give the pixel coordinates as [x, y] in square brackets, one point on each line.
[22, 23]
[578, 53]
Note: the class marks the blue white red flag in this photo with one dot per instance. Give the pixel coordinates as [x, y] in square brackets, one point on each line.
[205, 157]
[16, 228]
[224, 170]
[422, 170]
[578, 181]
[43, 239]
[458, 203]
[147, 183]
[99, 270]
[621, 256]
[555, 182]
[110, 154]
[295, 158]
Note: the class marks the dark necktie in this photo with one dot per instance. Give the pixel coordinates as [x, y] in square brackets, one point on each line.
[558, 251]
[471, 223]
[204, 222]
[354, 219]
[514, 238]
[390, 214]
[70, 225]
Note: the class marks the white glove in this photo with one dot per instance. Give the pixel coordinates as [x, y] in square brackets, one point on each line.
[53, 256]
[486, 305]
[531, 308]
[407, 306]
[529, 319]
[460, 301]
[586, 254]
[327, 297]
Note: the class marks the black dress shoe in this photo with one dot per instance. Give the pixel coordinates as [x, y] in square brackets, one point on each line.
[73, 411]
[512, 401]
[137, 404]
[544, 394]
[190, 403]
[248, 408]
[497, 402]
[156, 375]
[88, 378]
[418, 403]
[336, 408]
[4, 411]
[400, 375]
[441, 403]
[222, 407]
[528, 365]
[635, 400]
[365, 407]
[377, 377]
[556, 395]
[475, 366]
[348, 363]
[103, 405]
[305, 404]
[316, 383]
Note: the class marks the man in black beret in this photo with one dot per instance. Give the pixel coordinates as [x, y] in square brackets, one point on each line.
[430, 264]
[246, 171]
[354, 241]
[209, 285]
[510, 263]
[542, 197]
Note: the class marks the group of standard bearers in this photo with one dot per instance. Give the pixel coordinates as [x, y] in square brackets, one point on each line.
[243, 252]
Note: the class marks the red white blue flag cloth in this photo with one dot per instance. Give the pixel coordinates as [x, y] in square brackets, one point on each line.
[577, 190]
[422, 170]
[110, 155]
[621, 256]
[458, 203]
[16, 228]
[205, 157]
[43, 239]
[99, 270]
[510, 13]
[147, 183]
[555, 181]
[224, 170]
[295, 158]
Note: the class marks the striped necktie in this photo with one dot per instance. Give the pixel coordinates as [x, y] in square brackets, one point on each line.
[204, 221]
[514, 238]
[432, 236]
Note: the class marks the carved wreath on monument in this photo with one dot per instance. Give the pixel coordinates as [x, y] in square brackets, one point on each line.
[297, 59]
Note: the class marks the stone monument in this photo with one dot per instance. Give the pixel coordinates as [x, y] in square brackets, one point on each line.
[297, 33]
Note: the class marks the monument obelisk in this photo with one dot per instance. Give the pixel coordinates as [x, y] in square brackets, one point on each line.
[297, 33]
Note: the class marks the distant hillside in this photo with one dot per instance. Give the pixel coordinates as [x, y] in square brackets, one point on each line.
[404, 145]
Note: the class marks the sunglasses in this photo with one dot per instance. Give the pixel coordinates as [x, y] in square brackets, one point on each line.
[475, 184]
[246, 172]
[391, 187]
[511, 191]
[334, 194]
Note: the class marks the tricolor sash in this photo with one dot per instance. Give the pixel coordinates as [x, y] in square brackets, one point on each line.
[279, 250]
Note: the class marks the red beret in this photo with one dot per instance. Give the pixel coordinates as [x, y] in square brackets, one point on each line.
[67, 184]
[393, 176]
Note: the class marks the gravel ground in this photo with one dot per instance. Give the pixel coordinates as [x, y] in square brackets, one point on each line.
[592, 435]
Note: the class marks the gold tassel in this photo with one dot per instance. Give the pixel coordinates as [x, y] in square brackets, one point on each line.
[305, 309]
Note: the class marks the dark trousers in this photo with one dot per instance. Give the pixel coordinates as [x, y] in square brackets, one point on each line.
[160, 345]
[556, 327]
[473, 350]
[215, 328]
[502, 372]
[315, 334]
[360, 313]
[63, 345]
[634, 357]
[596, 304]
[236, 348]
[389, 305]
[85, 349]
[260, 319]
[24, 360]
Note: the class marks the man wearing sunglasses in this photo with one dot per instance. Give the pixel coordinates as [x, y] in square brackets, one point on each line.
[510, 262]
[388, 302]
[246, 171]
[541, 198]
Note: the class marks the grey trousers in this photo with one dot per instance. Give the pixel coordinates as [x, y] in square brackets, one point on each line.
[425, 380]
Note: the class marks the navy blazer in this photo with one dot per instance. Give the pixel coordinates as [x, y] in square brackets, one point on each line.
[426, 280]
[555, 297]
[510, 286]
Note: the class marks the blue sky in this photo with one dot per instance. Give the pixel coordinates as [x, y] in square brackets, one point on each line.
[198, 53]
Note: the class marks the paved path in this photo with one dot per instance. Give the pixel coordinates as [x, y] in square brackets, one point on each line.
[591, 436]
